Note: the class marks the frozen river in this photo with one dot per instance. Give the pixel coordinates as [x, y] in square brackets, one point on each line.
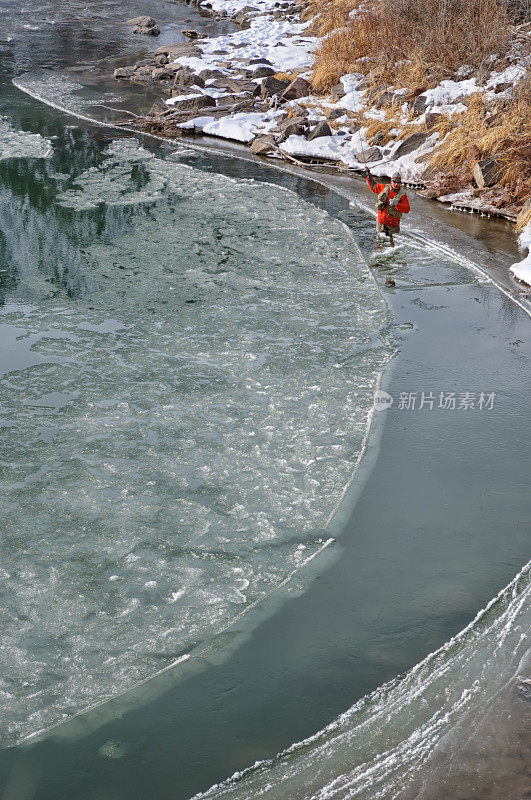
[189, 352]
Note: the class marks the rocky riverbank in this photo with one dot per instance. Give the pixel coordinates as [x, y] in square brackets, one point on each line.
[255, 86]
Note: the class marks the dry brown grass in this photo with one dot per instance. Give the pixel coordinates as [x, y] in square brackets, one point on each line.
[374, 126]
[472, 139]
[523, 220]
[328, 15]
[285, 76]
[427, 39]
[415, 44]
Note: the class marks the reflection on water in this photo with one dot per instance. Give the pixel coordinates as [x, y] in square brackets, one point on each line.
[70, 33]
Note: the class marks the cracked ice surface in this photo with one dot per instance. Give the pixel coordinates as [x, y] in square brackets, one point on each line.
[179, 423]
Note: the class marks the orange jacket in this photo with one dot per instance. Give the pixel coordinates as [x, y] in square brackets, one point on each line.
[402, 205]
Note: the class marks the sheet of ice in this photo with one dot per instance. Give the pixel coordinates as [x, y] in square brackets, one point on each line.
[19, 144]
[465, 199]
[178, 424]
[119, 185]
[522, 269]
[381, 747]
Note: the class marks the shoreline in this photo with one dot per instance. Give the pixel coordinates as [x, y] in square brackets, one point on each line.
[152, 727]
[433, 316]
[218, 91]
[264, 83]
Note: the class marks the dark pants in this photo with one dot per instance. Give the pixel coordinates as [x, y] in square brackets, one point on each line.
[389, 230]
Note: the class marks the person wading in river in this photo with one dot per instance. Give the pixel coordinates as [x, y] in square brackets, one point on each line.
[392, 203]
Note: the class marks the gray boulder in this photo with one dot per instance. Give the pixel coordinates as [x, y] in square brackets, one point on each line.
[271, 86]
[191, 34]
[240, 85]
[194, 103]
[262, 72]
[336, 113]
[263, 145]
[321, 129]
[210, 74]
[364, 84]
[142, 22]
[418, 105]
[337, 92]
[123, 72]
[288, 122]
[370, 155]
[142, 74]
[371, 94]
[298, 110]
[244, 16]
[152, 31]
[298, 88]
[409, 144]
[173, 51]
[385, 100]
[433, 119]
[184, 77]
[162, 74]
[262, 61]
[487, 172]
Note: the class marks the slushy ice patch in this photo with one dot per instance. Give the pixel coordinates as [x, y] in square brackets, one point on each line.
[128, 176]
[176, 440]
[61, 92]
[18, 144]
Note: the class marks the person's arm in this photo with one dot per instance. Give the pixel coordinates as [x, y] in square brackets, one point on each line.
[373, 186]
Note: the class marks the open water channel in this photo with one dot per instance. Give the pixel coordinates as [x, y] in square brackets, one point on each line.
[212, 545]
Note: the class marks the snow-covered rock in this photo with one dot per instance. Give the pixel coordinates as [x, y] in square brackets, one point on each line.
[522, 269]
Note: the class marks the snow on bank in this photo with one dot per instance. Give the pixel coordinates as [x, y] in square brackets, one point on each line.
[522, 269]
[348, 148]
[241, 127]
[233, 6]
[276, 37]
[280, 41]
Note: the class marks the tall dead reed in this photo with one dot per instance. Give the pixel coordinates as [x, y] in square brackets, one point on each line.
[374, 36]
